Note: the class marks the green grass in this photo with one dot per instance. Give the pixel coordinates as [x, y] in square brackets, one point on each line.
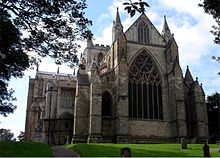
[142, 150]
[24, 149]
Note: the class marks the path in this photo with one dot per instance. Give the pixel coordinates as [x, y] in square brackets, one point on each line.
[60, 151]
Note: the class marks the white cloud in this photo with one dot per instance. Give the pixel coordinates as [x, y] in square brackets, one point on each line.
[184, 6]
[106, 36]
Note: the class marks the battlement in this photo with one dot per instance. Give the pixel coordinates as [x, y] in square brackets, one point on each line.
[54, 75]
[102, 46]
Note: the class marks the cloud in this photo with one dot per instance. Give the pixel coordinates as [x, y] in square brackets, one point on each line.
[191, 28]
[184, 6]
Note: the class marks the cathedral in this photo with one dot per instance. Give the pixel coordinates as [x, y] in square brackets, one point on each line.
[132, 91]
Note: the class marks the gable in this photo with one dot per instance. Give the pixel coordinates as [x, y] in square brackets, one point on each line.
[144, 32]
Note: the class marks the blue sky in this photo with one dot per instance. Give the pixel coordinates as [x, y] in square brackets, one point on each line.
[189, 24]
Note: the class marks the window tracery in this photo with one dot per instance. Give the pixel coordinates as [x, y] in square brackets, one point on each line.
[144, 86]
[67, 98]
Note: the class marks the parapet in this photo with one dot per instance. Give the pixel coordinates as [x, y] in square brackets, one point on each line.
[101, 46]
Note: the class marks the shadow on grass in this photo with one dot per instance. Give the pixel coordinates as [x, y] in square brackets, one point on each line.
[24, 149]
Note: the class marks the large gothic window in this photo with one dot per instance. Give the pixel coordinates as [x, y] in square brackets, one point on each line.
[143, 33]
[144, 86]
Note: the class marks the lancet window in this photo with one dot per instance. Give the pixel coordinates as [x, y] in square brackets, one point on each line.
[144, 87]
[100, 57]
[106, 104]
[143, 33]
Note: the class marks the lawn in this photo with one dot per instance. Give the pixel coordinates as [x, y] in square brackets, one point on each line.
[142, 150]
[24, 149]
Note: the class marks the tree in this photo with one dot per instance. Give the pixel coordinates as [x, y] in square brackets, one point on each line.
[213, 109]
[5, 134]
[13, 60]
[21, 136]
[132, 7]
[212, 7]
[30, 30]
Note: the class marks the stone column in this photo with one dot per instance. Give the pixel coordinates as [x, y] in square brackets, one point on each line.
[81, 110]
[95, 110]
[122, 102]
[202, 118]
[181, 109]
[122, 120]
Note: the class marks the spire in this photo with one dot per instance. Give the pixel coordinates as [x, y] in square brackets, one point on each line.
[117, 26]
[188, 77]
[118, 20]
[166, 30]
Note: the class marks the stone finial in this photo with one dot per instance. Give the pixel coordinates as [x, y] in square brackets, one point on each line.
[166, 30]
[188, 76]
[117, 26]
[118, 19]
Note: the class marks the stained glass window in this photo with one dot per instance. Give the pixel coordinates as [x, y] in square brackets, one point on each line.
[144, 87]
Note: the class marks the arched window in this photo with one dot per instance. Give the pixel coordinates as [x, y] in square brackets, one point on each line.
[100, 57]
[106, 104]
[143, 33]
[144, 87]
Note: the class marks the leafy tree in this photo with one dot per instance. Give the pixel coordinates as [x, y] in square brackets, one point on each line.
[212, 7]
[21, 136]
[132, 7]
[13, 60]
[5, 134]
[213, 108]
[30, 30]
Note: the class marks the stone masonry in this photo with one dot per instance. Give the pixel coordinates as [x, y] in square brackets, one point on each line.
[130, 92]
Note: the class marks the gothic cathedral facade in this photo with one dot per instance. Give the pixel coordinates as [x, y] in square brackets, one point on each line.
[130, 92]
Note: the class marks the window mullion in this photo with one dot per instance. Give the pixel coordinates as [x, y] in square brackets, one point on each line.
[142, 99]
[137, 98]
[152, 91]
[132, 100]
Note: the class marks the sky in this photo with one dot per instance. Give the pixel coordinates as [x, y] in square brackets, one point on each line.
[188, 22]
